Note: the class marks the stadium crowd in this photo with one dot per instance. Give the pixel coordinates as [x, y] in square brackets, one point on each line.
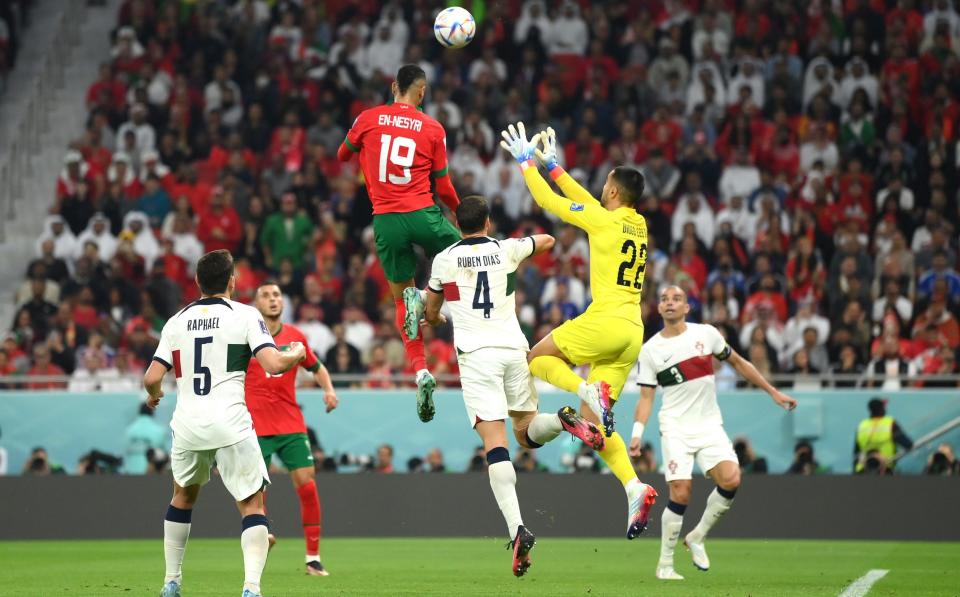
[801, 163]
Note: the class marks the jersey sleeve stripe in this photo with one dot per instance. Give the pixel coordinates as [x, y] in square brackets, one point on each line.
[434, 290]
[313, 368]
[451, 291]
[441, 173]
[646, 385]
[725, 353]
[350, 146]
[176, 364]
[533, 245]
[262, 346]
[164, 363]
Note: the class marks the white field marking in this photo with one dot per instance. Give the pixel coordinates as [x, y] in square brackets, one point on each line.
[862, 585]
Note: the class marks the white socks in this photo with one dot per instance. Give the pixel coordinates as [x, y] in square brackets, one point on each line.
[503, 482]
[176, 531]
[670, 524]
[717, 506]
[544, 428]
[255, 546]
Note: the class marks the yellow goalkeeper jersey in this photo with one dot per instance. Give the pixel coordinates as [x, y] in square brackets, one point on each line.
[618, 243]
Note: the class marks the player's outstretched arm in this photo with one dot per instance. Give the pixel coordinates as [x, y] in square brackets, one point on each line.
[548, 158]
[276, 362]
[641, 415]
[746, 369]
[152, 382]
[584, 216]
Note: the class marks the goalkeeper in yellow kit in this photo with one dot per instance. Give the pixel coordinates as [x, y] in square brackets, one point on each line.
[609, 334]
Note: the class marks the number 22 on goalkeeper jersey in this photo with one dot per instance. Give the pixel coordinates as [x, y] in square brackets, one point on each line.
[208, 345]
[475, 277]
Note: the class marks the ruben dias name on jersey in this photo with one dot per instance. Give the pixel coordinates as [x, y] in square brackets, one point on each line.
[476, 277]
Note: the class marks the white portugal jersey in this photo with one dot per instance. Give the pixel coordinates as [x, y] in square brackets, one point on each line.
[208, 345]
[475, 277]
[683, 366]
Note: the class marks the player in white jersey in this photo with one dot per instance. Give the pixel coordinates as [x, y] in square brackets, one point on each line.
[475, 276]
[208, 346]
[680, 359]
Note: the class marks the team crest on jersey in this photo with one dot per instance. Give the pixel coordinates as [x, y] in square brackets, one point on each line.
[672, 465]
[576, 207]
[699, 347]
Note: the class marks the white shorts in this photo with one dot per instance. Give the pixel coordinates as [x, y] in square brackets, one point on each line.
[241, 467]
[708, 449]
[496, 381]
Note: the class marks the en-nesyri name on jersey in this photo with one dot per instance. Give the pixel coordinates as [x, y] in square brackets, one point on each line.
[208, 345]
[476, 277]
[683, 366]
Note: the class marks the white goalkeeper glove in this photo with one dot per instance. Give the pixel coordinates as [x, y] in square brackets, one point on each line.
[516, 143]
[548, 157]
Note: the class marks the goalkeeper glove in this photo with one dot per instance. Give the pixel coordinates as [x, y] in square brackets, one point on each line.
[548, 157]
[516, 143]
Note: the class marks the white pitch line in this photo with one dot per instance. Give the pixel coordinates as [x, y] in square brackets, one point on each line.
[862, 585]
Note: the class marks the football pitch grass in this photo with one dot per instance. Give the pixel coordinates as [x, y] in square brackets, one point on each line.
[458, 567]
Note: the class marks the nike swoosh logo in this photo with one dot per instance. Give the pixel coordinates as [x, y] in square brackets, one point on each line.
[667, 360]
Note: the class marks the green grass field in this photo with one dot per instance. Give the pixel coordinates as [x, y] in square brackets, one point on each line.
[461, 567]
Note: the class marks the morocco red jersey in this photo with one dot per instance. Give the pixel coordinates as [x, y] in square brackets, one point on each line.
[400, 148]
[272, 399]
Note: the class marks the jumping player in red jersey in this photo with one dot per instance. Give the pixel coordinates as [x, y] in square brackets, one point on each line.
[279, 424]
[401, 149]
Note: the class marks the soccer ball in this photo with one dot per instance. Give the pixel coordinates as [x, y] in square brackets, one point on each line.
[454, 27]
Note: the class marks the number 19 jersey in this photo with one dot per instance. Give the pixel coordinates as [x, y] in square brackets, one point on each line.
[208, 345]
[476, 277]
[400, 149]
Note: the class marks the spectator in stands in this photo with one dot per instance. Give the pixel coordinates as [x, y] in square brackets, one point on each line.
[849, 369]
[286, 234]
[804, 462]
[384, 462]
[526, 462]
[940, 269]
[39, 464]
[889, 369]
[64, 242]
[219, 227]
[434, 461]
[142, 436]
[942, 462]
[749, 461]
[945, 322]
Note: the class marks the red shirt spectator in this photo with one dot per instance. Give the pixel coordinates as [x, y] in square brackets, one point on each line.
[42, 365]
[663, 133]
[219, 226]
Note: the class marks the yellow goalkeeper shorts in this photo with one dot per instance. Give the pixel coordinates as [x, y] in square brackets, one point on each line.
[610, 345]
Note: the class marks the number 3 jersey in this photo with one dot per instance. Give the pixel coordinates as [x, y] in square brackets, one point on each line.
[476, 277]
[400, 149]
[208, 345]
[272, 399]
[683, 366]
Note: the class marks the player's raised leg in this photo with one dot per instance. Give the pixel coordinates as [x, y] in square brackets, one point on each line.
[176, 532]
[310, 517]
[727, 476]
[549, 363]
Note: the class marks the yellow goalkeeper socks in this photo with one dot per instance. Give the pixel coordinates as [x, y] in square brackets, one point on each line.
[556, 371]
[614, 453]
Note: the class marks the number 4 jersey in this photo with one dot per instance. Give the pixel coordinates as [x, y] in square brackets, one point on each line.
[400, 149]
[683, 366]
[475, 277]
[208, 345]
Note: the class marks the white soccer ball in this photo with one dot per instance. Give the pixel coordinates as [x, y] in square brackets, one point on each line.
[454, 27]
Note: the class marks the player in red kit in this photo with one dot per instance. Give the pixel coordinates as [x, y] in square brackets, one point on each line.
[401, 149]
[279, 424]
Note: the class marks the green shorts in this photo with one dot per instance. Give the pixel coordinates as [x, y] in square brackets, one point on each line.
[293, 449]
[396, 233]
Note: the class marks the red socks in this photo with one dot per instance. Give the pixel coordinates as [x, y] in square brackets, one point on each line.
[414, 348]
[310, 516]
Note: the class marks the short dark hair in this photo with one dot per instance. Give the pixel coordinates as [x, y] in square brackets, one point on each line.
[407, 75]
[631, 183]
[472, 214]
[214, 270]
